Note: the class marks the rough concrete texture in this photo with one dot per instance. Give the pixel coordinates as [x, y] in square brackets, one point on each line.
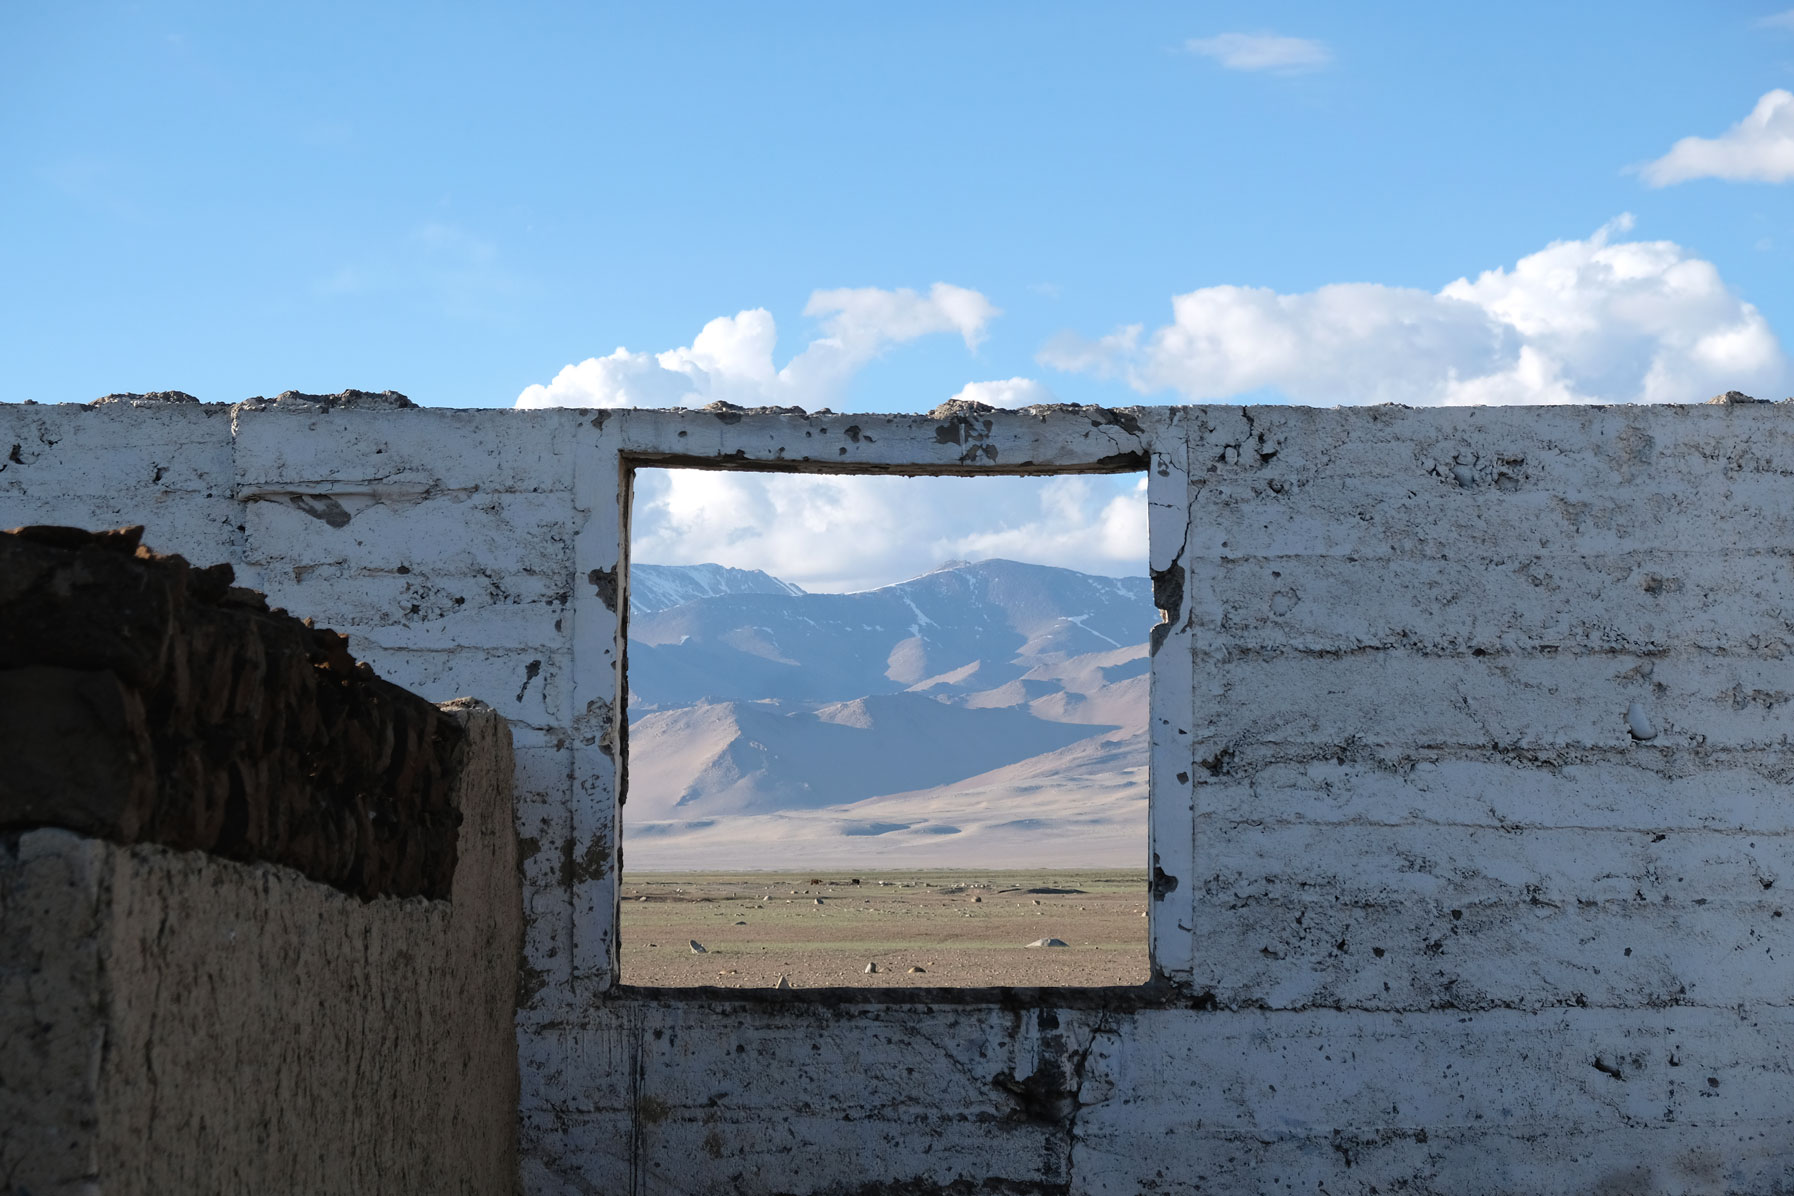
[173, 1022]
[1471, 744]
[149, 701]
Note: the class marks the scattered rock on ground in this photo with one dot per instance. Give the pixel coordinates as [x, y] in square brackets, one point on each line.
[1048, 942]
[697, 948]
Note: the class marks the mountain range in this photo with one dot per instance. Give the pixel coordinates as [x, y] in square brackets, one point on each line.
[989, 714]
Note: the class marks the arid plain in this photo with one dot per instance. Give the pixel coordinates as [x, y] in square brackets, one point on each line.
[933, 929]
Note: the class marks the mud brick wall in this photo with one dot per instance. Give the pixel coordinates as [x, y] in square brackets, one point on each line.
[171, 1021]
[149, 701]
[1469, 829]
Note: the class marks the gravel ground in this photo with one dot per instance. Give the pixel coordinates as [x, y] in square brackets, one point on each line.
[920, 929]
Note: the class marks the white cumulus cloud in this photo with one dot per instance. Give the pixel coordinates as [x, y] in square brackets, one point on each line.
[1593, 320]
[1008, 392]
[731, 359]
[846, 533]
[1262, 52]
[1759, 148]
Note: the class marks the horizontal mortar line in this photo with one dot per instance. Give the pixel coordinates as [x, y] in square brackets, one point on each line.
[1366, 1137]
[370, 634]
[1474, 654]
[1330, 750]
[897, 1114]
[1590, 560]
[1487, 748]
[1452, 752]
[1226, 671]
[1379, 893]
[1590, 1007]
[1506, 827]
[557, 649]
[1369, 1138]
[361, 487]
[1584, 562]
[802, 1012]
[1280, 774]
[380, 492]
[1609, 909]
[1554, 757]
[347, 570]
[1544, 651]
[545, 609]
[1333, 477]
[125, 494]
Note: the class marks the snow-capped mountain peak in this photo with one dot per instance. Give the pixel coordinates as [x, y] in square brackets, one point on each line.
[661, 587]
[956, 698]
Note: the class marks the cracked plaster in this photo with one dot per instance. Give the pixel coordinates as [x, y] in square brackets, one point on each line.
[1420, 872]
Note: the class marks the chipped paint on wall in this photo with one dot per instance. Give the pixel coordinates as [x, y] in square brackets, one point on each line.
[1470, 756]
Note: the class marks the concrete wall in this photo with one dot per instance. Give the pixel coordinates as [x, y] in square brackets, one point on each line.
[174, 1022]
[1470, 794]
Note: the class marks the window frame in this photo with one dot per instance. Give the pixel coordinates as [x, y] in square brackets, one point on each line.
[960, 440]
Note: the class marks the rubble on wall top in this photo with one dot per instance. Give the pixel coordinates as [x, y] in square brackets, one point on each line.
[352, 399]
[958, 407]
[1737, 396]
[721, 407]
[286, 400]
[151, 701]
[361, 400]
[150, 398]
[951, 409]
[1123, 418]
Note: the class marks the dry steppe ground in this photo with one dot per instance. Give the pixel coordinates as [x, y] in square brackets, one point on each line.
[820, 929]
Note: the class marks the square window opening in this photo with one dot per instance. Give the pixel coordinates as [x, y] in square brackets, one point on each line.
[886, 731]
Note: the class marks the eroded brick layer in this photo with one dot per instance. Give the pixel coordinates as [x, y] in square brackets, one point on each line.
[146, 700]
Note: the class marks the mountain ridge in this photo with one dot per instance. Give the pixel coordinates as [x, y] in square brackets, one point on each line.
[997, 706]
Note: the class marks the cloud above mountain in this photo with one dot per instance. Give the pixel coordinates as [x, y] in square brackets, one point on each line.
[1594, 320]
[1598, 319]
[731, 358]
[847, 533]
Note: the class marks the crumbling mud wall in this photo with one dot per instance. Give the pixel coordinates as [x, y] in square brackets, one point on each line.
[149, 701]
[331, 1008]
[1469, 831]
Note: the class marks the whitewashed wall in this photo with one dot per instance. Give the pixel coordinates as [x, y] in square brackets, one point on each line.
[1432, 915]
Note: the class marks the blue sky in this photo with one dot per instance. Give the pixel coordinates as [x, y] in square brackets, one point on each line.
[240, 199]
[459, 203]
